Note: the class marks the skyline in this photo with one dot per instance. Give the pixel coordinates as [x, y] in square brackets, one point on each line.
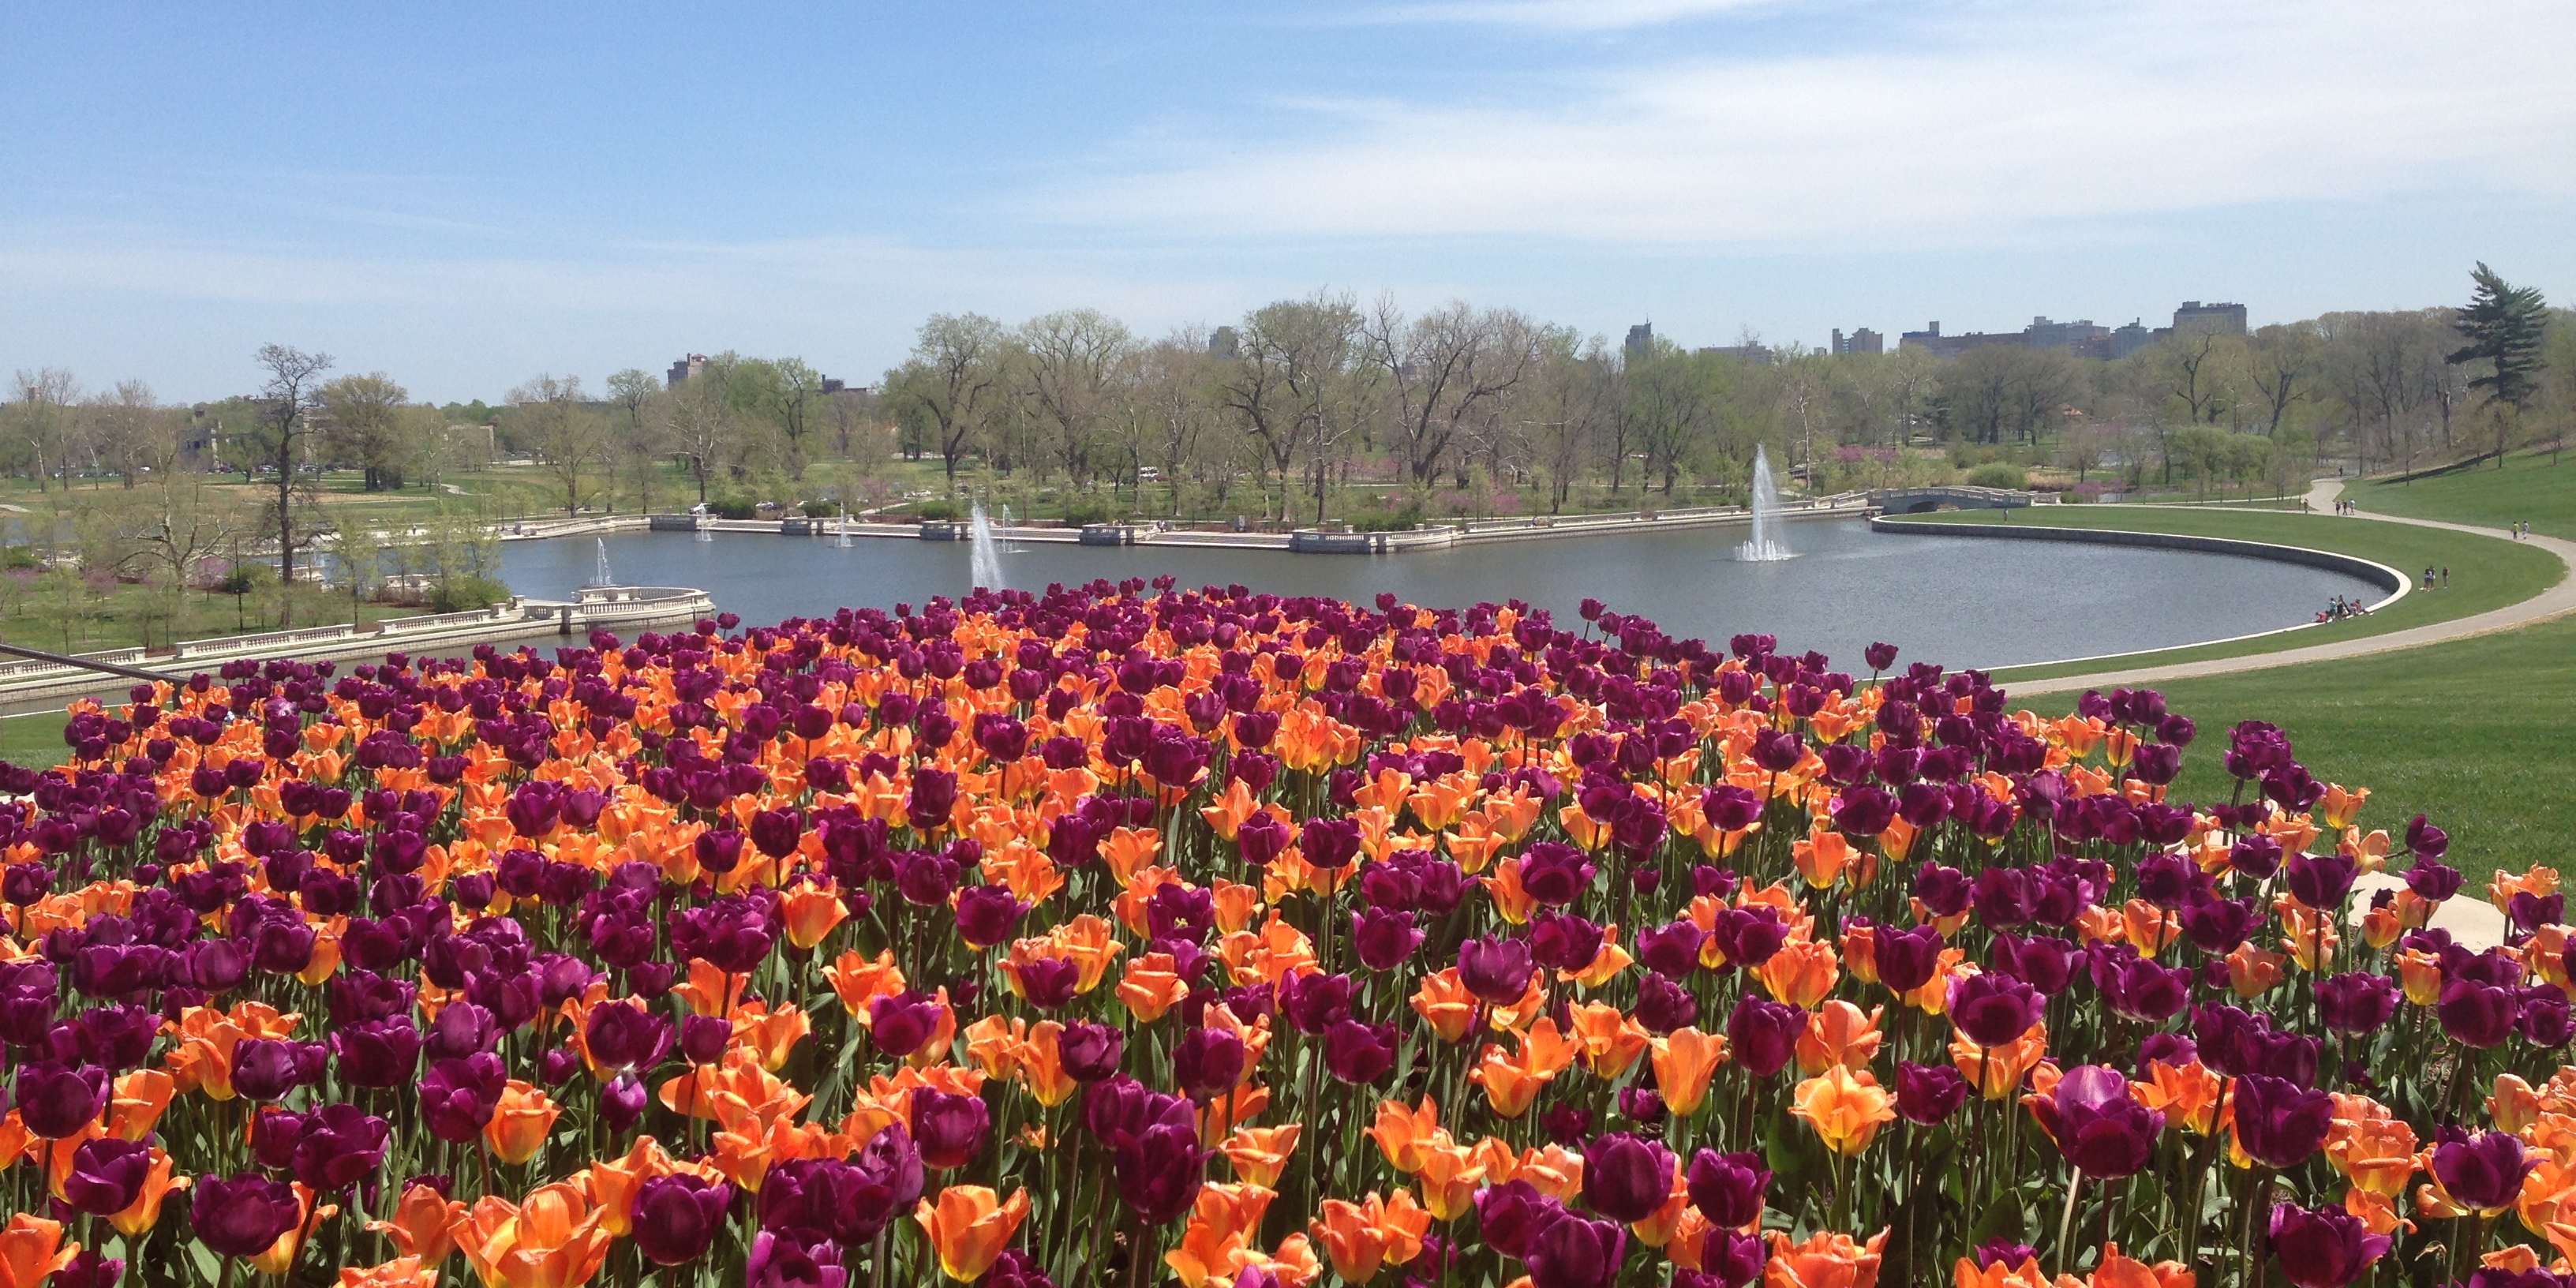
[465, 198]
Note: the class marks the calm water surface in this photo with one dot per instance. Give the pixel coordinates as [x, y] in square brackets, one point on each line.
[1958, 601]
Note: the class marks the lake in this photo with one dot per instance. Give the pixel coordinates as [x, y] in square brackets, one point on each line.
[1956, 601]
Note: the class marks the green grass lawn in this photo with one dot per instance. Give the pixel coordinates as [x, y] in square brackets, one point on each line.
[2473, 734]
[35, 739]
[2486, 572]
[2528, 488]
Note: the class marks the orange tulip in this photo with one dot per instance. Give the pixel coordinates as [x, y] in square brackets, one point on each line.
[2116, 1271]
[1446, 1003]
[31, 1250]
[1999, 1274]
[1844, 1107]
[858, 981]
[141, 1097]
[145, 1211]
[1151, 986]
[553, 1240]
[424, 1225]
[812, 911]
[2252, 972]
[1822, 857]
[2187, 1095]
[1684, 1060]
[521, 1123]
[401, 1272]
[1997, 1072]
[281, 1255]
[969, 1228]
[1802, 972]
[1361, 1237]
[613, 1183]
[1450, 1177]
[1839, 1033]
[1611, 1041]
[1828, 1259]
[1403, 1134]
[770, 1035]
[2374, 1150]
[1260, 1154]
[1041, 1064]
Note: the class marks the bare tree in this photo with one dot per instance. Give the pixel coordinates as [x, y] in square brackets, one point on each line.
[571, 439]
[287, 400]
[1177, 394]
[945, 380]
[1441, 371]
[638, 447]
[46, 423]
[1078, 360]
[1570, 403]
[2284, 370]
[132, 433]
[699, 422]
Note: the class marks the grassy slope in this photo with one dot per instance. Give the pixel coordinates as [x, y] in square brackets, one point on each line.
[2486, 572]
[2528, 488]
[2472, 733]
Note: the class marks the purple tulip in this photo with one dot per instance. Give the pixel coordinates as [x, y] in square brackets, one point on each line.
[1496, 970]
[1879, 656]
[1160, 1169]
[703, 1038]
[89, 1270]
[622, 1102]
[1929, 1094]
[1663, 1006]
[2136, 987]
[2279, 1122]
[2426, 841]
[1729, 1189]
[1671, 951]
[1208, 1061]
[2097, 1126]
[1554, 873]
[339, 1146]
[903, 1023]
[458, 1097]
[949, 1129]
[2356, 1001]
[677, 1217]
[2477, 1013]
[2325, 1248]
[1563, 941]
[623, 1037]
[2484, 1171]
[1329, 843]
[1090, 1052]
[106, 1175]
[241, 1216]
[1626, 1177]
[1575, 1252]
[1566, 1125]
[988, 914]
[1992, 1009]
[783, 1261]
[378, 1053]
[1512, 1215]
[1907, 958]
[1764, 1035]
[1384, 937]
[2320, 880]
[56, 1100]
[1357, 1053]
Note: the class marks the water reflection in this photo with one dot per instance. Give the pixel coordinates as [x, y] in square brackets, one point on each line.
[1958, 601]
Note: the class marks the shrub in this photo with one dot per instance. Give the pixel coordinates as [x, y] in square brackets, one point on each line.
[733, 509]
[464, 594]
[1082, 510]
[1404, 519]
[2002, 474]
[18, 558]
[820, 509]
[938, 511]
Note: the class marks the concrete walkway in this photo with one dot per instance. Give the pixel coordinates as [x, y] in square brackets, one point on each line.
[2558, 599]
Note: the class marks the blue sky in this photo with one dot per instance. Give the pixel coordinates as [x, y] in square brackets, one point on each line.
[465, 195]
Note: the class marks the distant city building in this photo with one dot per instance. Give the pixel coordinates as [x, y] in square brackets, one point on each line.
[832, 386]
[2225, 319]
[1641, 341]
[1863, 340]
[2131, 338]
[1754, 352]
[1951, 346]
[681, 371]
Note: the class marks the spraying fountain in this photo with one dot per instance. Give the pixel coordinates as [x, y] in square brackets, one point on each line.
[843, 538]
[1763, 547]
[986, 556]
[599, 570]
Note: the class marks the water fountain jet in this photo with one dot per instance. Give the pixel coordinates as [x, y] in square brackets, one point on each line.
[1762, 546]
[986, 556]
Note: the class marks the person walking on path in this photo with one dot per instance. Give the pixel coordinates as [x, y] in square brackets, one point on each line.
[2446, 576]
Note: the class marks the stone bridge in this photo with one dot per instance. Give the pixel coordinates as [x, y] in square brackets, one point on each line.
[1924, 500]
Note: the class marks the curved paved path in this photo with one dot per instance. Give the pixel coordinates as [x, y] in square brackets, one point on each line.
[2557, 599]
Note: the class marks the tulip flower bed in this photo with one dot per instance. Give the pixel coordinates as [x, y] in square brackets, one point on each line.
[1117, 936]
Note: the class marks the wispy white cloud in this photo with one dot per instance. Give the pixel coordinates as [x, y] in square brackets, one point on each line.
[1986, 122]
[1564, 15]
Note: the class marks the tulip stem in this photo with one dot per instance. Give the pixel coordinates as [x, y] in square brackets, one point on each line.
[2066, 1222]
